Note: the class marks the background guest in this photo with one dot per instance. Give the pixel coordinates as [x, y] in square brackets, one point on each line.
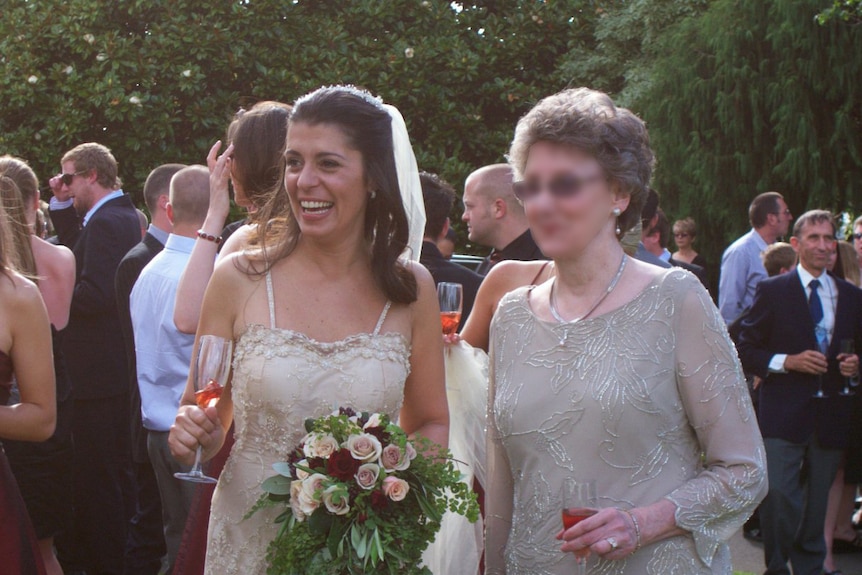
[446, 245]
[684, 235]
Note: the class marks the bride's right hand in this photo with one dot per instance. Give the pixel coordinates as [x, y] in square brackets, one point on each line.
[194, 426]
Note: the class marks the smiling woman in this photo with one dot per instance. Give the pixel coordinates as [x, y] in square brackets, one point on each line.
[323, 310]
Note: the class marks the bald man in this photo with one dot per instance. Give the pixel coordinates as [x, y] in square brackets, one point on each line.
[495, 218]
[163, 352]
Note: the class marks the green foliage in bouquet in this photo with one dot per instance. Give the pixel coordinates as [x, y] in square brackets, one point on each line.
[359, 497]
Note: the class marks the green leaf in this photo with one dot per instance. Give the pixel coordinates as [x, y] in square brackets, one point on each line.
[277, 485]
[283, 468]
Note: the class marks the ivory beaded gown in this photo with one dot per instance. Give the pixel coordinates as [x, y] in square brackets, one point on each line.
[281, 378]
[649, 400]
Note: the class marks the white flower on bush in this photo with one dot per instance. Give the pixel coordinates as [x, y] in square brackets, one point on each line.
[393, 458]
[336, 500]
[69, 70]
[320, 445]
[89, 38]
[302, 473]
[295, 505]
[395, 489]
[33, 79]
[101, 57]
[373, 421]
[367, 474]
[364, 447]
[135, 101]
[408, 52]
[187, 73]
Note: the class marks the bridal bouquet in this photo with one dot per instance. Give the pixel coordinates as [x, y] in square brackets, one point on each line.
[359, 497]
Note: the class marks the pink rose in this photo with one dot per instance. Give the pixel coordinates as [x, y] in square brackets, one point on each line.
[320, 445]
[394, 459]
[337, 500]
[394, 488]
[366, 476]
[295, 506]
[364, 447]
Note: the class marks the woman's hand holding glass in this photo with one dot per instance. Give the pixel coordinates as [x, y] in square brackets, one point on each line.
[610, 534]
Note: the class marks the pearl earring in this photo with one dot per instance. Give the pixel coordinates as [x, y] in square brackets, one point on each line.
[373, 194]
[617, 213]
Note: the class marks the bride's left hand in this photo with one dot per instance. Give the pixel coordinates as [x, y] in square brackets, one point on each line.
[597, 534]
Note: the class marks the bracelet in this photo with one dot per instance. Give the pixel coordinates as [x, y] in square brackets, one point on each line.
[209, 237]
[637, 528]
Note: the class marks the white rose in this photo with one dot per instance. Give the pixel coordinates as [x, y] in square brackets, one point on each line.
[89, 38]
[301, 473]
[187, 73]
[337, 500]
[33, 79]
[101, 57]
[408, 52]
[367, 474]
[320, 445]
[373, 421]
[394, 488]
[135, 100]
[394, 459]
[69, 69]
[310, 493]
[295, 491]
[364, 447]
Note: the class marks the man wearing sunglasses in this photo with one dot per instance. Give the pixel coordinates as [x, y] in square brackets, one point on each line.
[98, 221]
[495, 218]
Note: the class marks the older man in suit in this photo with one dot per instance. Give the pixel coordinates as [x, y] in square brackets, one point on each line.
[791, 338]
[108, 228]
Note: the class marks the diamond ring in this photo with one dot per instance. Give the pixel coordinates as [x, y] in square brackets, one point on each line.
[612, 542]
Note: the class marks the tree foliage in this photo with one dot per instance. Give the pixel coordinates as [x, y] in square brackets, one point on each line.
[849, 11]
[736, 110]
[158, 80]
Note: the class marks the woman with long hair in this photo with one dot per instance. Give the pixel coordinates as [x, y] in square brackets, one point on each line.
[323, 311]
[25, 351]
[43, 468]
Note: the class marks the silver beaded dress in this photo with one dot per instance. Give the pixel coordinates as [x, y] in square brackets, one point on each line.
[649, 400]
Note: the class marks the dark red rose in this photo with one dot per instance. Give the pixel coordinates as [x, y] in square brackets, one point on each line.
[348, 411]
[379, 501]
[342, 466]
[316, 463]
[379, 433]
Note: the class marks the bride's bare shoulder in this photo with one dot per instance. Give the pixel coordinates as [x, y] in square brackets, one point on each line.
[512, 274]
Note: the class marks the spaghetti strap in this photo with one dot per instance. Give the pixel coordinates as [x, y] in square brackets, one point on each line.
[541, 271]
[270, 299]
[382, 318]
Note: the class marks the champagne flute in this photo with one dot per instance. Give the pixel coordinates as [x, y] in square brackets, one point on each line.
[579, 502]
[847, 347]
[450, 296]
[822, 346]
[211, 370]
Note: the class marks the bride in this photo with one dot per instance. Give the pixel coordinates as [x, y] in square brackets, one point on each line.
[322, 310]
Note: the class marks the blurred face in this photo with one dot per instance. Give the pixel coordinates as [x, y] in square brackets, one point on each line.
[325, 181]
[569, 221]
[815, 246]
[80, 189]
[681, 238]
[857, 241]
[782, 219]
[478, 214]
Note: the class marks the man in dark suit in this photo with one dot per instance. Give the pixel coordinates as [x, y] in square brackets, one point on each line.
[107, 229]
[791, 338]
[495, 218]
[439, 197]
[145, 545]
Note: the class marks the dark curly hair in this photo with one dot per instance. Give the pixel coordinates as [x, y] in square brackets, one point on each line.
[368, 128]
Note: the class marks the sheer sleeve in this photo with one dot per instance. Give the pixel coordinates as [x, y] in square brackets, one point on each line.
[714, 504]
[499, 489]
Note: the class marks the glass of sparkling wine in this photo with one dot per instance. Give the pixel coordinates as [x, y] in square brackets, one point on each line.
[450, 296]
[848, 347]
[579, 502]
[211, 370]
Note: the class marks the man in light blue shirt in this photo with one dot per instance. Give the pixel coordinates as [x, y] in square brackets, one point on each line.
[741, 266]
[163, 352]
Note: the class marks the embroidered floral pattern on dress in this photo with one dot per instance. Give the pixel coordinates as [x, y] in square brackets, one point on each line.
[280, 378]
[649, 400]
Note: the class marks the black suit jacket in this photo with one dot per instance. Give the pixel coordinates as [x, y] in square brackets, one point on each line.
[127, 274]
[779, 322]
[95, 353]
[696, 269]
[442, 270]
[522, 248]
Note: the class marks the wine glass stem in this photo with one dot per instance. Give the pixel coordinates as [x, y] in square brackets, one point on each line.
[582, 565]
[197, 466]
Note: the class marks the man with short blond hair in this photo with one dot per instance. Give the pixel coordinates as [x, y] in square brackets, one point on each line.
[98, 221]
